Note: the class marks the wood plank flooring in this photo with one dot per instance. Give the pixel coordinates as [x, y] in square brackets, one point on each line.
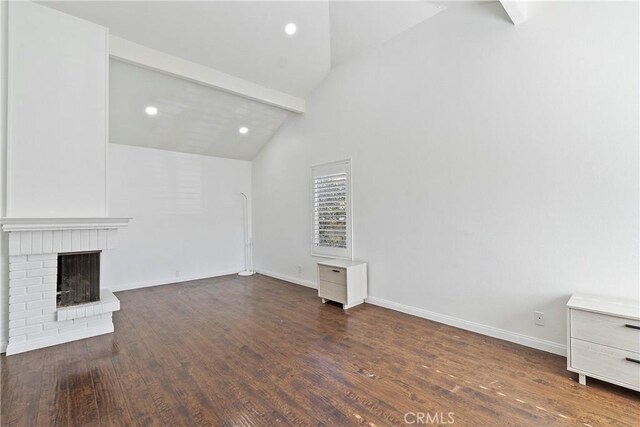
[257, 351]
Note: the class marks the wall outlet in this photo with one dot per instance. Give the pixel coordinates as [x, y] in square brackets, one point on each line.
[538, 318]
[299, 269]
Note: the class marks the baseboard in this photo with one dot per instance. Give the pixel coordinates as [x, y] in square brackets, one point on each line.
[161, 282]
[59, 339]
[527, 341]
[3, 346]
[537, 343]
[296, 280]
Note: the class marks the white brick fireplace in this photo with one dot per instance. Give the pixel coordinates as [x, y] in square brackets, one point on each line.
[35, 321]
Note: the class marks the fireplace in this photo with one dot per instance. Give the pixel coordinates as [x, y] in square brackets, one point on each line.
[78, 278]
[55, 280]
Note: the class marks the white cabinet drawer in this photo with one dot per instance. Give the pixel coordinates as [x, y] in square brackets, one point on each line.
[343, 281]
[332, 291]
[332, 274]
[607, 362]
[607, 330]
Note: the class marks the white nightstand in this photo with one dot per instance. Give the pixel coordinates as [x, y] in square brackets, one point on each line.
[603, 339]
[342, 281]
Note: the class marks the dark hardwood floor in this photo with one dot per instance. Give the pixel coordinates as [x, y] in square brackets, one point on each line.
[257, 351]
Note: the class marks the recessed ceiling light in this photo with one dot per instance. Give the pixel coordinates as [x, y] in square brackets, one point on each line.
[290, 28]
[243, 130]
[151, 110]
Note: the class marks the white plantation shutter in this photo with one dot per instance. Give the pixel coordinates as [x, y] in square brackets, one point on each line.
[332, 210]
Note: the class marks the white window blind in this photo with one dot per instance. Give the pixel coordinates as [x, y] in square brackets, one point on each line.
[332, 210]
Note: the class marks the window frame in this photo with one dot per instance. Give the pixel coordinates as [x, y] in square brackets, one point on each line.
[323, 169]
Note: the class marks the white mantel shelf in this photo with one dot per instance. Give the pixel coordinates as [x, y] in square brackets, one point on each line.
[31, 236]
[52, 224]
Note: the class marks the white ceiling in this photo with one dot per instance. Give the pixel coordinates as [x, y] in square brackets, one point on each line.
[241, 38]
[246, 39]
[191, 118]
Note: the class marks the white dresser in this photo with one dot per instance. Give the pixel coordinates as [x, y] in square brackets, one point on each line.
[603, 339]
[342, 281]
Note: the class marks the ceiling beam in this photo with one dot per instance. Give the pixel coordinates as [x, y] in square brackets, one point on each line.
[133, 53]
[516, 9]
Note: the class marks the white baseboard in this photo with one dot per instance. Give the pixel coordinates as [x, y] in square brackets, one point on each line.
[3, 346]
[527, 341]
[296, 280]
[160, 282]
[59, 339]
[537, 343]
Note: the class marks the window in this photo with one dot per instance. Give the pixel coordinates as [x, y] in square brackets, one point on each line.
[332, 210]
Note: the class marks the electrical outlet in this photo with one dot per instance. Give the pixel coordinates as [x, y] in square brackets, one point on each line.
[299, 269]
[538, 318]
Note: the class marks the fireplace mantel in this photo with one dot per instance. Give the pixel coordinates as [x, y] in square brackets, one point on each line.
[31, 236]
[53, 224]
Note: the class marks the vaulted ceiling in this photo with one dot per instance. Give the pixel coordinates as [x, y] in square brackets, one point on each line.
[191, 118]
[244, 39]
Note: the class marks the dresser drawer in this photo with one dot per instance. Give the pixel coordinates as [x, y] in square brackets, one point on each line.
[607, 330]
[606, 362]
[332, 291]
[332, 274]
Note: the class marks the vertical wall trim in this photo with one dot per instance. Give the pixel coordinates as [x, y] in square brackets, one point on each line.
[4, 239]
[9, 57]
[106, 125]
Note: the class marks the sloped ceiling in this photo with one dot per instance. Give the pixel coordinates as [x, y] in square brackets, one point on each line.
[246, 39]
[243, 38]
[191, 118]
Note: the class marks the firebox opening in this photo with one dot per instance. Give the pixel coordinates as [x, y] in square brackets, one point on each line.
[78, 278]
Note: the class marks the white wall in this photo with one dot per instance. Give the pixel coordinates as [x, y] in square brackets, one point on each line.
[57, 114]
[187, 216]
[495, 168]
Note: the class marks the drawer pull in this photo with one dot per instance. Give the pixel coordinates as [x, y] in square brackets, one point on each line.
[632, 360]
[631, 326]
[338, 271]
